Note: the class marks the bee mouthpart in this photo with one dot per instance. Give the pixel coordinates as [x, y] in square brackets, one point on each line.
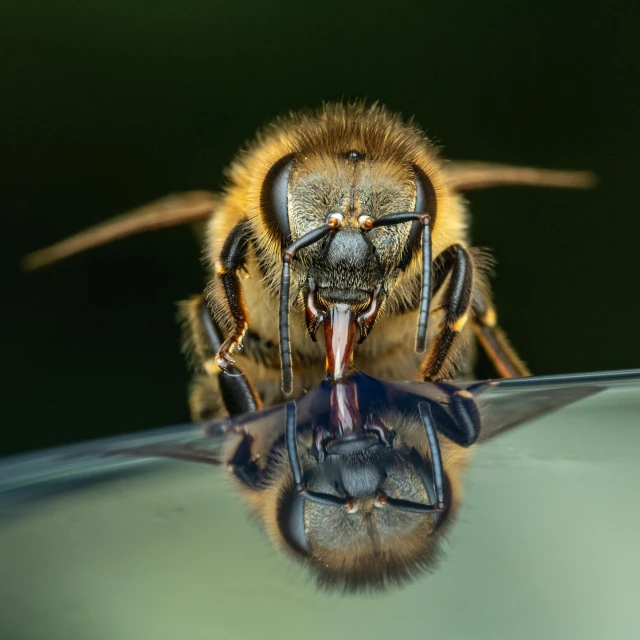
[351, 443]
[352, 297]
[328, 442]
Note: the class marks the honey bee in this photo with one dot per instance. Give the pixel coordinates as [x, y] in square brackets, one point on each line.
[346, 205]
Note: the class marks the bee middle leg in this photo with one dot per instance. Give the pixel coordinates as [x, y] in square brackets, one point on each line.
[493, 339]
[467, 298]
[467, 422]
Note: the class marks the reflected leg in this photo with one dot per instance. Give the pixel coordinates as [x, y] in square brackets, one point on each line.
[465, 414]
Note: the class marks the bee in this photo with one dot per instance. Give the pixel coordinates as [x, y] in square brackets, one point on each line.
[345, 205]
[360, 479]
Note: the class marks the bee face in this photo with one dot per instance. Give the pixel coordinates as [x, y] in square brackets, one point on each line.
[366, 543]
[352, 160]
[351, 263]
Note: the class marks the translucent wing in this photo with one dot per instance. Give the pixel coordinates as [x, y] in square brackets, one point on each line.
[173, 210]
[501, 404]
[510, 403]
[86, 460]
[504, 404]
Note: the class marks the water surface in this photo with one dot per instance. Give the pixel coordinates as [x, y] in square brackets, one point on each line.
[546, 547]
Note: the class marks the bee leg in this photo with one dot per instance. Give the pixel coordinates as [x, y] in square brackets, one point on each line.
[441, 358]
[243, 464]
[233, 259]
[493, 339]
[465, 414]
[213, 395]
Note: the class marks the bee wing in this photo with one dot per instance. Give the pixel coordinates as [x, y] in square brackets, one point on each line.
[505, 404]
[171, 211]
[502, 405]
[86, 460]
[465, 176]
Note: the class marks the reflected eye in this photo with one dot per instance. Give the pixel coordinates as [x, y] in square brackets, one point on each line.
[274, 198]
[291, 522]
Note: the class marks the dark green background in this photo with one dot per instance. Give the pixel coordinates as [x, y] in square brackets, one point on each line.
[107, 105]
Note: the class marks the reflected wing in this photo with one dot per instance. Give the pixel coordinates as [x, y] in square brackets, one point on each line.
[505, 404]
[93, 458]
[499, 405]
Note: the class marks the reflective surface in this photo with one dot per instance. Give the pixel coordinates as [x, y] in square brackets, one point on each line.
[546, 546]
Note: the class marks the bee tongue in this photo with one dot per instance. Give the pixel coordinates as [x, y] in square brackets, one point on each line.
[340, 329]
[345, 418]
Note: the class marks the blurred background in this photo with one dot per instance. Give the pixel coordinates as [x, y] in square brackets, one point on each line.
[109, 105]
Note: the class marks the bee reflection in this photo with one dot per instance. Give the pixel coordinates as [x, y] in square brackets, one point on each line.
[366, 509]
[352, 479]
[361, 478]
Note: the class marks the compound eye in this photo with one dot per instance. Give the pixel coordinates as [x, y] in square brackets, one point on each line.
[274, 198]
[425, 193]
[425, 203]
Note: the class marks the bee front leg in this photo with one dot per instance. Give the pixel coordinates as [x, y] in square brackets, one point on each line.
[233, 259]
[243, 463]
[441, 358]
[213, 395]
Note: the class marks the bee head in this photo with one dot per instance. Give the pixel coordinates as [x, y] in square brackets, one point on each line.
[303, 191]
